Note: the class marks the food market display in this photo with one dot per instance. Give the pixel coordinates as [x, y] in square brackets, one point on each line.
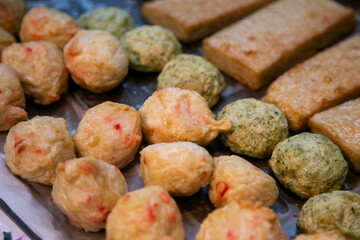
[126, 133]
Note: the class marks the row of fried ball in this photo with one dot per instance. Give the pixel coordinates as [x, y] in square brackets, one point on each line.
[181, 176]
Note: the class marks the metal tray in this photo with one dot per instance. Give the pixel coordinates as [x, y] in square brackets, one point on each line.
[32, 202]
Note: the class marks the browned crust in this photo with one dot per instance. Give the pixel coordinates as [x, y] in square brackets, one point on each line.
[189, 30]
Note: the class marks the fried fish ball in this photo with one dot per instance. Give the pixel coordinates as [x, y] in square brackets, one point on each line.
[110, 132]
[6, 39]
[235, 178]
[338, 210]
[12, 99]
[309, 164]
[86, 190]
[41, 69]
[333, 235]
[174, 115]
[257, 127]
[181, 168]
[47, 24]
[96, 60]
[34, 148]
[195, 73]
[112, 19]
[11, 15]
[148, 213]
[150, 47]
[240, 220]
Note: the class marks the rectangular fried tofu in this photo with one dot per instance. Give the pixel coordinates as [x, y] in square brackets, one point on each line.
[341, 125]
[263, 45]
[325, 80]
[191, 20]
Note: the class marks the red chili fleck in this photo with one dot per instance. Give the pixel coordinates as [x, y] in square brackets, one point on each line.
[18, 141]
[37, 36]
[101, 208]
[256, 169]
[149, 215]
[37, 152]
[155, 205]
[151, 133]
[164, 197]
[88, 199]
[230, 235]
[0, 92]
[28, 50]
[10, 120]
[158, 90]
[205, 172]
[127, 140]
[87, 169]
[171, 216]
[221, 189]
[21, 149]
[144, 160]
[125, 198]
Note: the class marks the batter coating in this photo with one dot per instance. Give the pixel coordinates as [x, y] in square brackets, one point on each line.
[112, 19]
[34, 148]
[257, 127]
[110, 132]
[181, 168]
[41, 69]
[47, 24]
[12, 99]
[86, 190]
[96, 60]
[235, 178]
[11, 15]
[338, 210]
[150, 47]
[6, 39]
[195, 73]
[333, 235]
[241, 220]
[145, 214]
[174, 115]
[309, 164]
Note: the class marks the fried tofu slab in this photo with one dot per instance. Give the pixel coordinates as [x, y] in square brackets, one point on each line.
[191, 20]
[260, 47]
[325, 80]
[341, 124]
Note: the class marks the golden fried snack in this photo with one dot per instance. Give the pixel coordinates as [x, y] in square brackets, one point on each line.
[47, 24]
[235, 178]
[96, 60]
[181, 168]
[259, 48]
[86, 190]
[11, 15]
[110, 132]
[6, 39]
[241, 220]
[191, 20]
[146, 214]
[341, 125]
[34, 148]
[12, 99]
[332, 235]
[323, 81]
[41, 69]
[173, 115]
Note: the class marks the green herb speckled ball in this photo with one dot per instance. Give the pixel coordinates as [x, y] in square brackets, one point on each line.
[338, 210]
[112, 19]
[256, 127]
[150, 47]
[309, 164]
[193, 72]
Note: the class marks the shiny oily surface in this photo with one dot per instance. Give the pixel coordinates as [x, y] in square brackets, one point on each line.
[33, 203]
